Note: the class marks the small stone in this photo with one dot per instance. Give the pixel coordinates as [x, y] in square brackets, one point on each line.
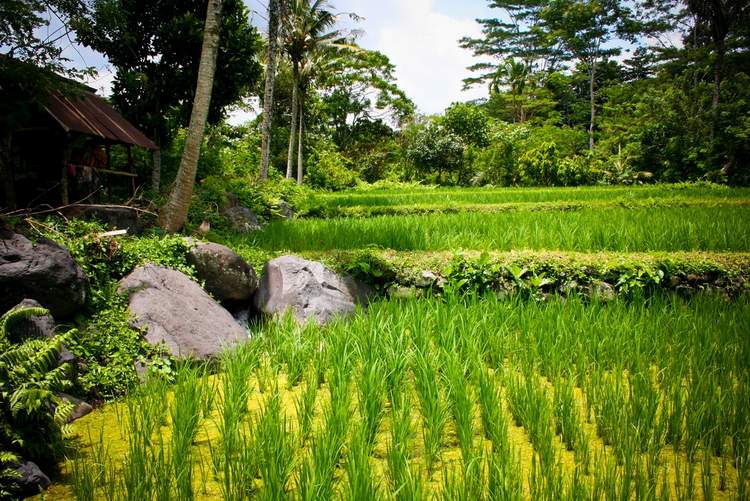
[80, 409]
[425, 279]
[400, 292]
[32, 480]
[602, 291]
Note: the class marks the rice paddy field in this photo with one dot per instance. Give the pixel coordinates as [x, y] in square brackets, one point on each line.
[463, 397]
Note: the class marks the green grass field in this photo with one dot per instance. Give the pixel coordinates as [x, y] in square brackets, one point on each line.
[615, 229]
[450, 196]
[462, 397]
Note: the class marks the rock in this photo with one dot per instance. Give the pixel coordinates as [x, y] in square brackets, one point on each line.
[425, 279]
[568, 287]
[674, 281]
[401, 292]
[241, 219]
[602, 291]
[42, 270]
[695, 279]
[227, 276]
[80, 409]
[285, 210]
[175, 311]
[308, 289]
[35, 327]
[32, 480]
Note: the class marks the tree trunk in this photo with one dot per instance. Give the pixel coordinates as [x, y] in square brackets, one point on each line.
[299, 142]
[173, 215]
[592, 76]
[273, 36]
[718, 74]
[156, 170]
[293, 127]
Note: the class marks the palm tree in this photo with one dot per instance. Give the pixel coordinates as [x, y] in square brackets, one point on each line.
[307, 29]
[276, 10]
[173, 215]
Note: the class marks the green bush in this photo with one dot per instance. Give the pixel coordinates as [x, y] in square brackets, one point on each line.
[32, 415]
[538, 166]
[328, 169]
[263, 198]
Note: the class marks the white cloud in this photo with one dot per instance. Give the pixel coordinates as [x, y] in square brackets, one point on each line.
[423, 44]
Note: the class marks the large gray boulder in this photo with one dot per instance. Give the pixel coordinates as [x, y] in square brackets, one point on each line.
[42, 270]
[175, 311]
[227, 276]
[307, 289]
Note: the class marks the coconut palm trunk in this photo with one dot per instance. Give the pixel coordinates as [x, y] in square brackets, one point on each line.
[300, 139]
[173, 215]
[592, 96]
[275, 10]
[293, 127]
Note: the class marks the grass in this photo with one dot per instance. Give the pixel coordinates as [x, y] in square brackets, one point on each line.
[622, 360]
[489, 195]
[467, 397]
[622, 230]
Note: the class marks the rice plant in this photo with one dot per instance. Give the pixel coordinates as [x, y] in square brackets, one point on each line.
[494, 422]
[371, 397]
[623, 230]
[361, 483]
[304, 404]
[405, 480]
[653, 372]
[275, 446]
[432, 405]
[460, 403]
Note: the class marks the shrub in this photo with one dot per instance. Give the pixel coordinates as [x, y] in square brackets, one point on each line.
[32, 415]
[329, 170]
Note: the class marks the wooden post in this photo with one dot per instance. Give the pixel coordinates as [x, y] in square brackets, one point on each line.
[131, 169]
[6, 171]
[109, 178]
[64, 197]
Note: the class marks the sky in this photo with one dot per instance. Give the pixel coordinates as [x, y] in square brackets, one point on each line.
[419, 36]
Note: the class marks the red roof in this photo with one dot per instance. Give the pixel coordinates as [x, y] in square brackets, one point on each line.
[87, 113]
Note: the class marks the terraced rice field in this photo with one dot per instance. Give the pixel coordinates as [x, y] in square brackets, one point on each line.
[462, 396]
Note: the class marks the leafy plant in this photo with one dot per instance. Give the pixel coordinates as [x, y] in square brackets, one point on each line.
[32, 414]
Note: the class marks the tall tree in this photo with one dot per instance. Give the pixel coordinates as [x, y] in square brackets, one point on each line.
[307, 30]
[173, 215]
[584, 28]
[517, 36]
[718, 18]
[155, 49]
[276, 9]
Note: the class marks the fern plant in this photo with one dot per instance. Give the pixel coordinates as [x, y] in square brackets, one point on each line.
[32, 415]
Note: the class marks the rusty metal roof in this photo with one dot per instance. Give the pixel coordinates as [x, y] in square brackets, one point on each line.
[87, 113]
